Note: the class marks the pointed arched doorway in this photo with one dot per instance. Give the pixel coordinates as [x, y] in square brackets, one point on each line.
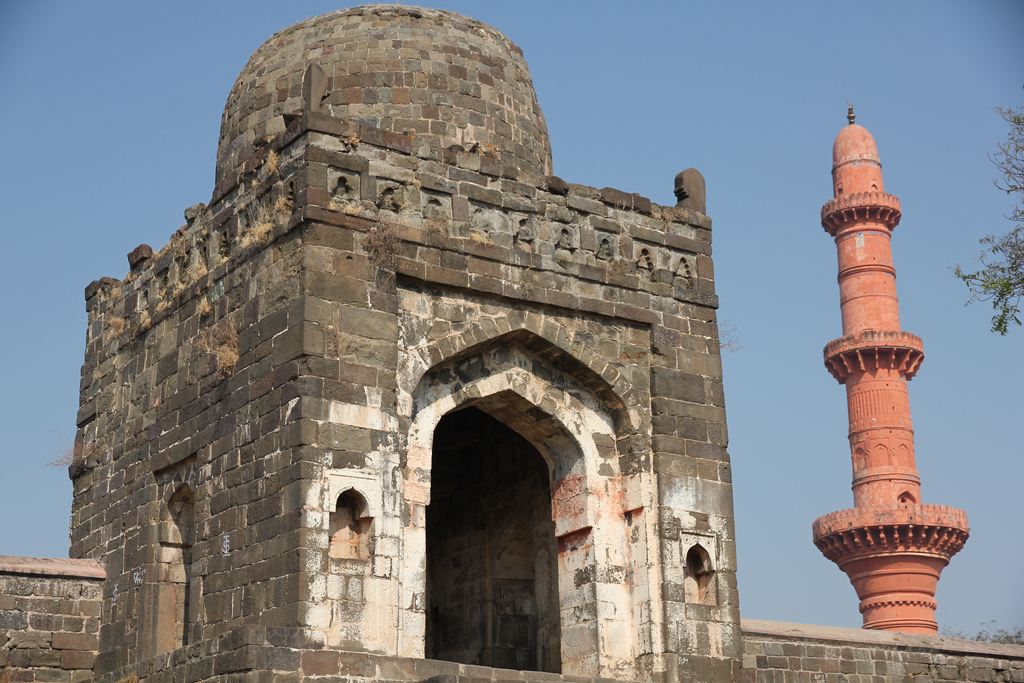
[492, 576]
[568, 418]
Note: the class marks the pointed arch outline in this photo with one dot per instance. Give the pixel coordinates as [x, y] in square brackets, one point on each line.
[549, 340]
[573, 428]
[180, 512]
[579, 431]
[176, 608]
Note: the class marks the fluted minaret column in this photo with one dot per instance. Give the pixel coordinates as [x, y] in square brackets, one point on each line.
[890, 544]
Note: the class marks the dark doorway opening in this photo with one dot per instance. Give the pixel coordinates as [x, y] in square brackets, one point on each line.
[492, 577]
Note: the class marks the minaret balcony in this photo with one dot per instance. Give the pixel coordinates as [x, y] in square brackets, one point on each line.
[853, 208]
[939, 530]
[871, 350]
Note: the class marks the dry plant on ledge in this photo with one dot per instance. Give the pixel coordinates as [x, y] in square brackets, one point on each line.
[72, 453]
[381, 244]
[221, 342]
[116, 325]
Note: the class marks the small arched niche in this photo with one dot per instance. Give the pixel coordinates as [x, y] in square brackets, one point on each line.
[906, 498]
[860, 460]
[175, 605]
[181, 509]
[350, 527]
[699, 576]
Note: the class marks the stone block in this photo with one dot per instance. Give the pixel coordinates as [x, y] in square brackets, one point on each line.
[51, 675]
[76, 659]
[13, 620]
[283, 659]
[556, 185]
[677, 385]
[585, 205]
[436, 183]
[40, 658]
[480, 194]
[335, 288]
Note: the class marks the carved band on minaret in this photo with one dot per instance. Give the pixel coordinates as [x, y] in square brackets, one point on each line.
[891, 545]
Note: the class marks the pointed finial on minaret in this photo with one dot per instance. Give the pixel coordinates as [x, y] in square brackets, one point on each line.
[849, 113]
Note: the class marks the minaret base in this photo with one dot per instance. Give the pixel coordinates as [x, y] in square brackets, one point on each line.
[893, 556]
[897, 592]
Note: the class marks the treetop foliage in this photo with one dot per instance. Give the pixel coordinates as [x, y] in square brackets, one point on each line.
[990, 634]
[1001, 277]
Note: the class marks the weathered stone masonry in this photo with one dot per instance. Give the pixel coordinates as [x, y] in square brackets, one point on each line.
[775, 652]
[49, 618]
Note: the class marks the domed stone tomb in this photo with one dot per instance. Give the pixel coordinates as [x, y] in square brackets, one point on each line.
[399, 403]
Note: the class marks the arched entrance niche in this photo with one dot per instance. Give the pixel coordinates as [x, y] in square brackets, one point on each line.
[176, 608]
[596, 521]
[491, 571]
[171, 592]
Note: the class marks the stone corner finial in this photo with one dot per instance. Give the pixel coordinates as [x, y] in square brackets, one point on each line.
[849, 113]
[314, 87]
[690, 190]
[193, 212]
[139, 255]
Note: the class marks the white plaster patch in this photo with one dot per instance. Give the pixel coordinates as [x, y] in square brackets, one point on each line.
[367, 417]
[690, 493]
[318, 616]
[289, 407]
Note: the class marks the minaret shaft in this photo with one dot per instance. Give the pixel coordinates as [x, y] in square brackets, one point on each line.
[890, 544]
[867, 279]
[881, 440]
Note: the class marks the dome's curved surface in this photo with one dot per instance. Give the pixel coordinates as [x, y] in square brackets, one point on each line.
[855, 163]
[854, 143]
[443, 77]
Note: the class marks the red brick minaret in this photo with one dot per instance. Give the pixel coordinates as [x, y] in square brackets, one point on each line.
[890, 544]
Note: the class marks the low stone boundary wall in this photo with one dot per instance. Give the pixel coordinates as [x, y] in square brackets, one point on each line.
[777, 652]
[271, 654]
[49, 618]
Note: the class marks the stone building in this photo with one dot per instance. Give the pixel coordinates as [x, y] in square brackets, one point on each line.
[401, 404]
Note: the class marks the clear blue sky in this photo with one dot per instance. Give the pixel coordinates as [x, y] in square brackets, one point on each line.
[111, 113]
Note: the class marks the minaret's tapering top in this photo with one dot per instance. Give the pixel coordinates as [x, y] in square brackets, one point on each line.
[849, 113]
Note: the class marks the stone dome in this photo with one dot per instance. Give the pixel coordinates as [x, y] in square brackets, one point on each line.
[445, 78]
